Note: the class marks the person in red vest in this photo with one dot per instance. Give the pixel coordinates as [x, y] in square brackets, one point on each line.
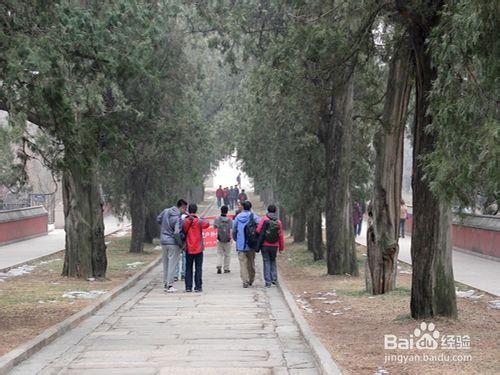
[225, 196]
[193, 228]
[219, 194]
[243, 196]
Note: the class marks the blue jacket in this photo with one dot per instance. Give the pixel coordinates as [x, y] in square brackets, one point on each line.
[239, 229]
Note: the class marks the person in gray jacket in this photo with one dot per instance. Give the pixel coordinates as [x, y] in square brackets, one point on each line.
[171, 241]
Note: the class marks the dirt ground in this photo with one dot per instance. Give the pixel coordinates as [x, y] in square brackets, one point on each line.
[33, 302]
[352, 324]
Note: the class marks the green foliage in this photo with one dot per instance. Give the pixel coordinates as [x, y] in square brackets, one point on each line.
[464, 104]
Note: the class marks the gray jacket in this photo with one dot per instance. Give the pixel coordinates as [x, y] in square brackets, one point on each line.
[170, 226]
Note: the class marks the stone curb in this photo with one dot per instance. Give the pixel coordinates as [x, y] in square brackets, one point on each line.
[26, 350]
[327, 365]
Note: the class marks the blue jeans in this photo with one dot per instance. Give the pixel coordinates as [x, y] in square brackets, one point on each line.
[183, 270]
[219, 202]
[269, 258]
[357, 228]
[402, 223]
[197, 260]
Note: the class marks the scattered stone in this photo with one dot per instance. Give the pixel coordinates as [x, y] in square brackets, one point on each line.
[333, 293]
[495, 304]
[78, 294]
[381, 371]
[331, 302]
[41, 302]
[134, 265]
[19, 271]
[469, 294]
[50, 261]
[91, 279]
[319, 298]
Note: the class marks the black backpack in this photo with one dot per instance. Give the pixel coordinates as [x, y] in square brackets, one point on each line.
[251, 237]
[271, 233]
[223, 231]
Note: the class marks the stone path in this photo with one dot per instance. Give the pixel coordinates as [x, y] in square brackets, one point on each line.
[226, 330]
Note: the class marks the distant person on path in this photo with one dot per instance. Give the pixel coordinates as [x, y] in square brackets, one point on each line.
[232, 197]
[238, 180]
[246, 238]
[271, 241]
[193, 227]
[171, 242]
[243, 196]
[223, 224]
[225, 196]
[357, 218]
[239, 210]
[219, 193]
[403, 215]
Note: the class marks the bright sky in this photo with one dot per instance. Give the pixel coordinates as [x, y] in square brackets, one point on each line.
[226, 173]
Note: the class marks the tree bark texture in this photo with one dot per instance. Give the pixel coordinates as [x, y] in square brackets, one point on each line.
[299, 227]
[383, 229]
[315, 234]
[152, 229]
[137, 186]
[85, 254]
[337, 122]
[433, 286]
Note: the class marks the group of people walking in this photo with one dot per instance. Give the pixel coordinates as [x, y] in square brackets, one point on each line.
[229, 196]
[182, 233]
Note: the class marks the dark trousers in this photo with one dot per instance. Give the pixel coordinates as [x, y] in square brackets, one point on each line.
[402, 223]
[197, 259]
[269, 259]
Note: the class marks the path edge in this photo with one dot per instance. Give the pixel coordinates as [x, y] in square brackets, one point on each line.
[327, 365]
[26, 350]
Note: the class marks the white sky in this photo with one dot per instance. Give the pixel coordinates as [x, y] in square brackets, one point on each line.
[226, 173]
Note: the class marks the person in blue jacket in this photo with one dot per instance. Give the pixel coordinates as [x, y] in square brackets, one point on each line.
[246, 252]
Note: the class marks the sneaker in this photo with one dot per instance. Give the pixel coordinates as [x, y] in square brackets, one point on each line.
[188, 290]
[176, 278]
[250, 283]
[198, 290]
[227, 271]
[275, 283]
[171, 289]
[182, 277]
[268, 285]
[245, 285]
[219, 271]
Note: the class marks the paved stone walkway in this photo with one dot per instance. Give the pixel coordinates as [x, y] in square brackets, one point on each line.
[226, 330]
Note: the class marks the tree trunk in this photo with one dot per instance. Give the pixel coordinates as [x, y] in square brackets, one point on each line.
[299, 227]
[383, 229]
[284, 217]
[85, 254]
[315, 234]
[152, 229]
[137, 186]
[337, 122]
[433, 286]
